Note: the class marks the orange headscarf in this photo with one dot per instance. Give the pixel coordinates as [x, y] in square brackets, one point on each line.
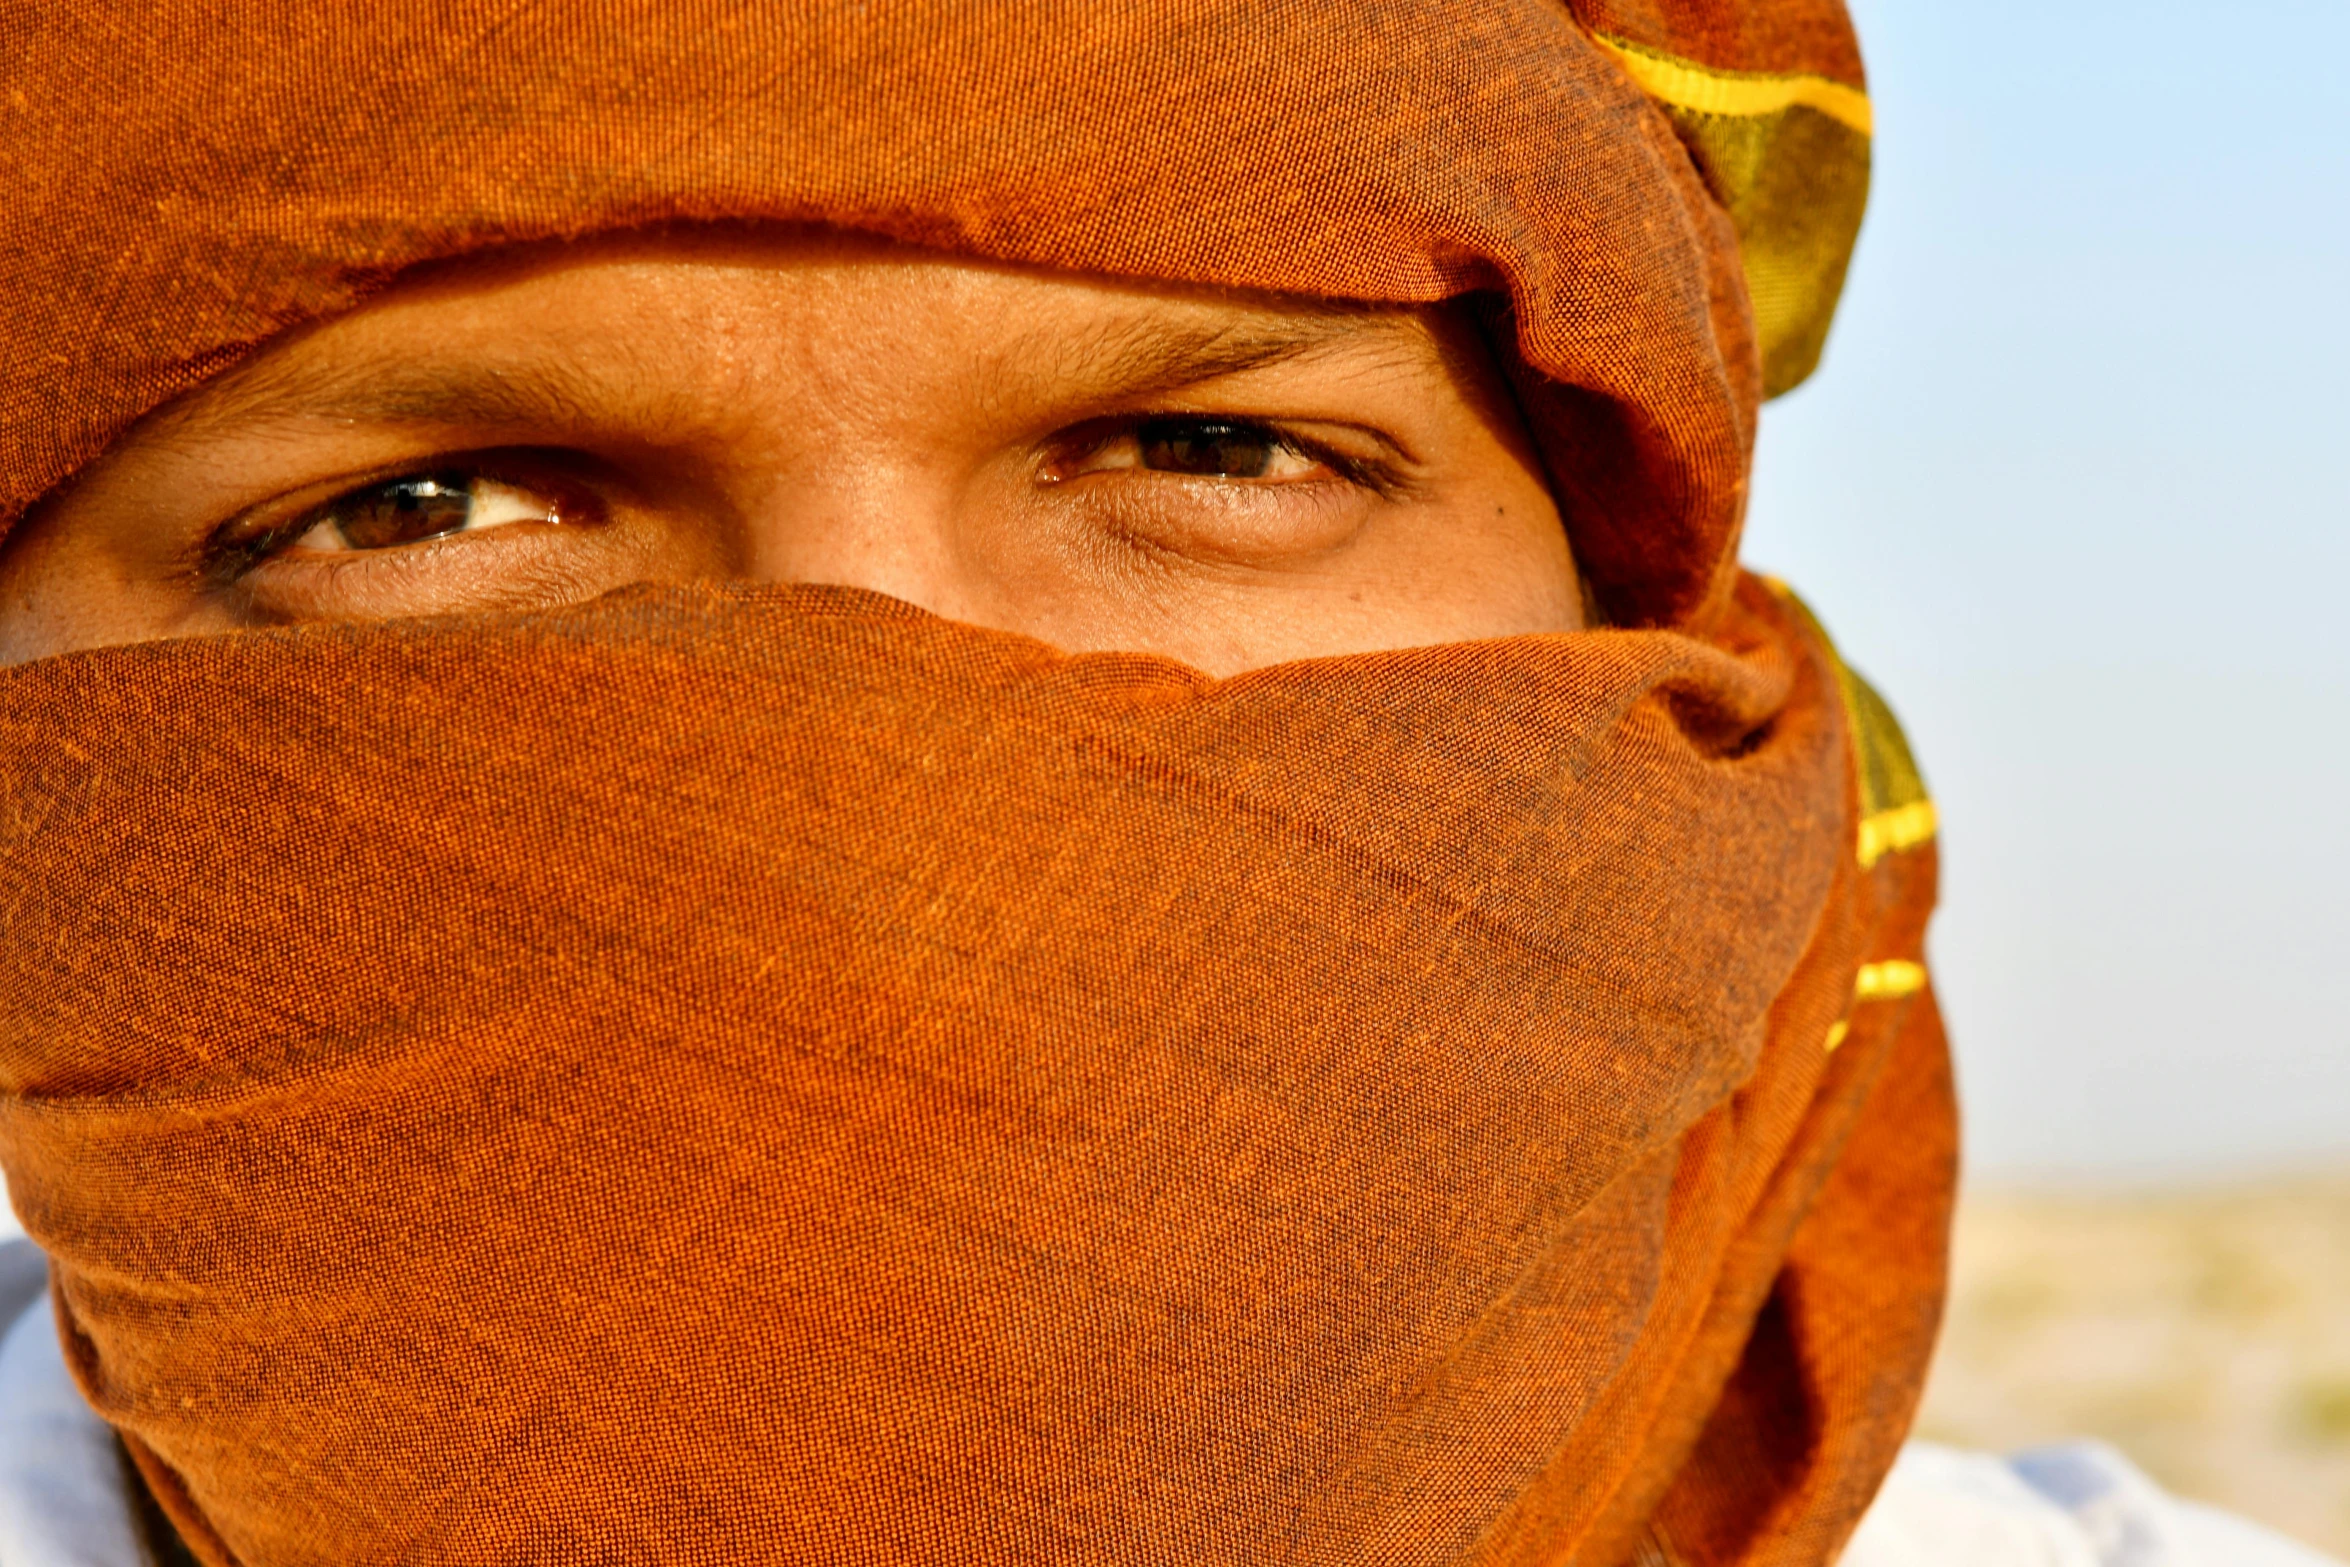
[765, 1074]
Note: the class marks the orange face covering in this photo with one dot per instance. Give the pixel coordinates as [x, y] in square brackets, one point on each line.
[765, 1074]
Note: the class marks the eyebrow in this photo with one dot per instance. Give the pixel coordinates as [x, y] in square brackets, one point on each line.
[535, 390]
[1139, 357]
[1122, 360]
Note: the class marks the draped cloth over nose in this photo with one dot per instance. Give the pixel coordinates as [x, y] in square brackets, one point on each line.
[725, 1074]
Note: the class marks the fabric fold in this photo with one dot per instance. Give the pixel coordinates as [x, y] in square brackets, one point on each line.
[823, 1081]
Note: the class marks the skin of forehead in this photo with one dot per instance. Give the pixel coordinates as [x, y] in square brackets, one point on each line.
[1165, 337]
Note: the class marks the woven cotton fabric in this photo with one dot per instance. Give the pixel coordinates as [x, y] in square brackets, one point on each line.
[737, 1073]
[772, 1075]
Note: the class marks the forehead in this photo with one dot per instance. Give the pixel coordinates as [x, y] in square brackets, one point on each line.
[651, 324]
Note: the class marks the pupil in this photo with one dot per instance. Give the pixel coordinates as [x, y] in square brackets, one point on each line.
[407, 511]
[1224, 451]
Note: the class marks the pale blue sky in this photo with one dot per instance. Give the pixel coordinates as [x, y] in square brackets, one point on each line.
[2073, 487]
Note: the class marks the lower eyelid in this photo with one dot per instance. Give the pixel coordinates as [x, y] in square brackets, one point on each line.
[446, 575]
[1226, 521]
[344, 561]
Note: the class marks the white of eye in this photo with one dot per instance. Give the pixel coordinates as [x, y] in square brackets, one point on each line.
[496, 505]
[411, 510]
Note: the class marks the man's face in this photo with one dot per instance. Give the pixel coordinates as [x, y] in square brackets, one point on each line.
[1230, 481]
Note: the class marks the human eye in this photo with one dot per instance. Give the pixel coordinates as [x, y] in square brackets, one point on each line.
[416, 508]
[1225, 489]
[402, 511]
[1197, 447]
[503, 529]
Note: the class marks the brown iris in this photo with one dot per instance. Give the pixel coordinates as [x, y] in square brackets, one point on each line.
[400, 511]
[1207, 447]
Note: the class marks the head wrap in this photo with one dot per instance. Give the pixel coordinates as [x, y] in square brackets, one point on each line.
[724, 1074]
[191, 179]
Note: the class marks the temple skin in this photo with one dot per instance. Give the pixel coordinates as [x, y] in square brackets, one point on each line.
[988, 442]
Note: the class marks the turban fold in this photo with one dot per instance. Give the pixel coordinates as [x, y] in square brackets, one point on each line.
[744, 1073]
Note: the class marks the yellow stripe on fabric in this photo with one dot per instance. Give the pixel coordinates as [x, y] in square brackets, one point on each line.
[1888, 981]
[1903, 827]
[1737, 94]
[1896, 813]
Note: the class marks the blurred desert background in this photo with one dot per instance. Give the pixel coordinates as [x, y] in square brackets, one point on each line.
[2206, 1333]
